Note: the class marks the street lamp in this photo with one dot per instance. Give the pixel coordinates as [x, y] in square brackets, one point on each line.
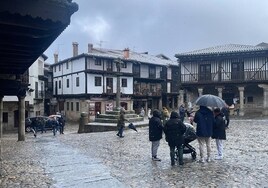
[118, 93]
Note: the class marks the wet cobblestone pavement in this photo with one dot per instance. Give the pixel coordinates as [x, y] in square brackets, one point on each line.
[104, 160]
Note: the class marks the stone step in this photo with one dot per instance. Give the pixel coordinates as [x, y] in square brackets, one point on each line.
[115, 116]
[103, 127]
[114, 112]
[107, 120]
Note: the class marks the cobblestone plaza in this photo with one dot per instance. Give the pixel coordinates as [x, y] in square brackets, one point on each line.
[104, 160]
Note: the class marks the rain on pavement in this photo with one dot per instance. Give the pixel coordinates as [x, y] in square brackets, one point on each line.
[104, 160]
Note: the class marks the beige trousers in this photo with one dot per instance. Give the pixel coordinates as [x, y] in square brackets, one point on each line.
[204, 141]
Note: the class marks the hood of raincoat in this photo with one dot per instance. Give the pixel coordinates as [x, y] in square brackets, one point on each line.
[174, 115]
[204, 110]
[157, 113]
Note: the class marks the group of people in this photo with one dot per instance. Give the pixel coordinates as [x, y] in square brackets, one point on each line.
[56, 122]
[173, 129]
[209, 124]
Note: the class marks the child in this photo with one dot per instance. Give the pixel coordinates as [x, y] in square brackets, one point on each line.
[219, 132]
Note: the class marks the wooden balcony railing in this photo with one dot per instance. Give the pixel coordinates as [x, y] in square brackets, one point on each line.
[240, 76]
[147, 92]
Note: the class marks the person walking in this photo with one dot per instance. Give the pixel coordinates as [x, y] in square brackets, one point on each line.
[204, 120]
[121, 123]
[226, 112]
[155, 133]
[174, 130]
[182, 112]
[61, 121]
[219, 132]
[34, 126]
[54, 124]
[142, 113]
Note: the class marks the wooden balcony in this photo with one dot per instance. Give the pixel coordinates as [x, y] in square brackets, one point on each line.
[147, 92]
[225, 77]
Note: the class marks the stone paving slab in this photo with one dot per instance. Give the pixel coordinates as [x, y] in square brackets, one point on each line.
[45, 161]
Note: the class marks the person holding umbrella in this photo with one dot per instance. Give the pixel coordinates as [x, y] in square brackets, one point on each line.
[121, 123]
[204, 120]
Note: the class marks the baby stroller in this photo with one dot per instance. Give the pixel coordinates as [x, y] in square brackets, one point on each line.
[189, 136]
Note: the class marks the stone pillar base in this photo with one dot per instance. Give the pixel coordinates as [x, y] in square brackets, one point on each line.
[241, 113]
[265, 112]
[82, 122]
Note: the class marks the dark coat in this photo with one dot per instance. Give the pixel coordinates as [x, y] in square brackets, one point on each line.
[174, 130]
[155, 126]
[226, 112]
[121, 120]
[219, 128]
[204, 120]
[182, 111]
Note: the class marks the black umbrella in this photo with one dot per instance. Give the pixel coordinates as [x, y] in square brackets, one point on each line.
[132, 126]
[210, 100]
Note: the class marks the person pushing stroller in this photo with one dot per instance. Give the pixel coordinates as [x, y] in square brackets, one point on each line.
[174, 130]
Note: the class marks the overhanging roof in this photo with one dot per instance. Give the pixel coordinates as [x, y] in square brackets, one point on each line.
[27, 28]
[225, 49]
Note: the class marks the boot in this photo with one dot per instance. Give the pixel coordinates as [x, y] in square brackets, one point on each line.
[180, 153]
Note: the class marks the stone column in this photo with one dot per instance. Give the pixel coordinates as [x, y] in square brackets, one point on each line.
[265, 98]
[146, 107]
[21, 129]
[118, 87]
[200, 91]
[241, 100]
[181, 97]
[82, 122]
[220, 91]
[1, 116]
[131, 104]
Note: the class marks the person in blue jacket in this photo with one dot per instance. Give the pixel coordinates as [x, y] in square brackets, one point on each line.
[204, 119]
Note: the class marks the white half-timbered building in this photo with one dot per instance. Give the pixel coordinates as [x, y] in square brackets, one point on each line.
[34, 100]
[237, 73]
[87, 82]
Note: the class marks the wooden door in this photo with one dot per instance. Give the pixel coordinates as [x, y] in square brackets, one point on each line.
[97, 107]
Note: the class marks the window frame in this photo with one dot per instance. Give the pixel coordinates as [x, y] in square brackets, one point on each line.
[5, 117]
[97, 80]
[124, 82]
[98, 62]
[77, 106]
[67, 106]
[67, 83]
[77, 80]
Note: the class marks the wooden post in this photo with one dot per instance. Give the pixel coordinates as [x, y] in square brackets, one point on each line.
[21, 129]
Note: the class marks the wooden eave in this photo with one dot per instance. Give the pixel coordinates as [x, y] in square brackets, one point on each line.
[220, 56]
[27, 29]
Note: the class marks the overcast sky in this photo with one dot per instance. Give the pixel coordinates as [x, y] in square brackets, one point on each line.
[163, 26]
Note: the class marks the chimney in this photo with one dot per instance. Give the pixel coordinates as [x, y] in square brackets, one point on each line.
[75, 49]
[56, 56]
[126, 53]
[90, 48]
